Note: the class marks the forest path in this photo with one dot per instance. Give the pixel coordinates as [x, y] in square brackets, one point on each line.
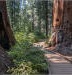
[58, 64]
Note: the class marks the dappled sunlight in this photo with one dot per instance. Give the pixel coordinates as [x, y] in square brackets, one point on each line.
[54, 58]
[59, 65]
[35, 37]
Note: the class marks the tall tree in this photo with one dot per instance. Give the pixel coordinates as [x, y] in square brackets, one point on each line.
[6, 38]
[14, 9]
[42, 12]
[39, 15]
[46, 16]
[32, 17]
[62, 20]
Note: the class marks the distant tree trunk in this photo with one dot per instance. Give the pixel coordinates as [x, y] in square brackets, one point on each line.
[39, 25]
[39, 13]
[62, 20]
[46, 17]
[32, 19]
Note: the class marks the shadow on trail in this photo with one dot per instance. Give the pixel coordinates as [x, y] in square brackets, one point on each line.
[58, 64]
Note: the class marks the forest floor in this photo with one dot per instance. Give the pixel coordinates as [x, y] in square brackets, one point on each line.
[58, 64]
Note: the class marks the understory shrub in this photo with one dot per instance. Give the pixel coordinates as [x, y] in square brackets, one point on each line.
[30, 37]
[39, 35]
[32, 59]
[28, 60]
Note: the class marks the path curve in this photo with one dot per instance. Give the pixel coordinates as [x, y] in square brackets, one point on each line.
[58, 65]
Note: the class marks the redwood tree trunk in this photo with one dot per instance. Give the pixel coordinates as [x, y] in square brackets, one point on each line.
[62, 19]
[62, 25]
[6, 38]
[6, 28]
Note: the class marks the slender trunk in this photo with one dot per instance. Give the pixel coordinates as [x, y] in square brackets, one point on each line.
[39, 21]
[39, 25]
[32, 19]
[46, 17]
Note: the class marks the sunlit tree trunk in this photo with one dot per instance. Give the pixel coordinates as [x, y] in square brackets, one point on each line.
[62, 20]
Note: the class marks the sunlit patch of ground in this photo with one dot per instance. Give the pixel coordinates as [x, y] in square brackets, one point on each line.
[58, 64]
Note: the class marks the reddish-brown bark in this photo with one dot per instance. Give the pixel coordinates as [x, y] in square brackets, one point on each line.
[62, 18]
[6, 38]
[5, 61]
[6, 25]
[62, 25]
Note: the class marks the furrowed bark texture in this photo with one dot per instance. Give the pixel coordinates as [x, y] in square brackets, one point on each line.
[5, 23]
[6, 38]
[62, 19]
[62, 25]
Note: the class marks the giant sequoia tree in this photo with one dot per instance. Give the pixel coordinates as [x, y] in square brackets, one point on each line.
[6, 37]
[62, 22]
[6, 34]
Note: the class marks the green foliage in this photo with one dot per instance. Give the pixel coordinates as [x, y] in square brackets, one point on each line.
[30, 15]
[25, 37]
[27, 59]
[13, 12]
[28, 23]
[33, 37]
[29, 37]
[36, 56]
[39, 35]
[22, 57]
[23, 68]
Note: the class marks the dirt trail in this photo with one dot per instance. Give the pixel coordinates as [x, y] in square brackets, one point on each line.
[58, 65]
